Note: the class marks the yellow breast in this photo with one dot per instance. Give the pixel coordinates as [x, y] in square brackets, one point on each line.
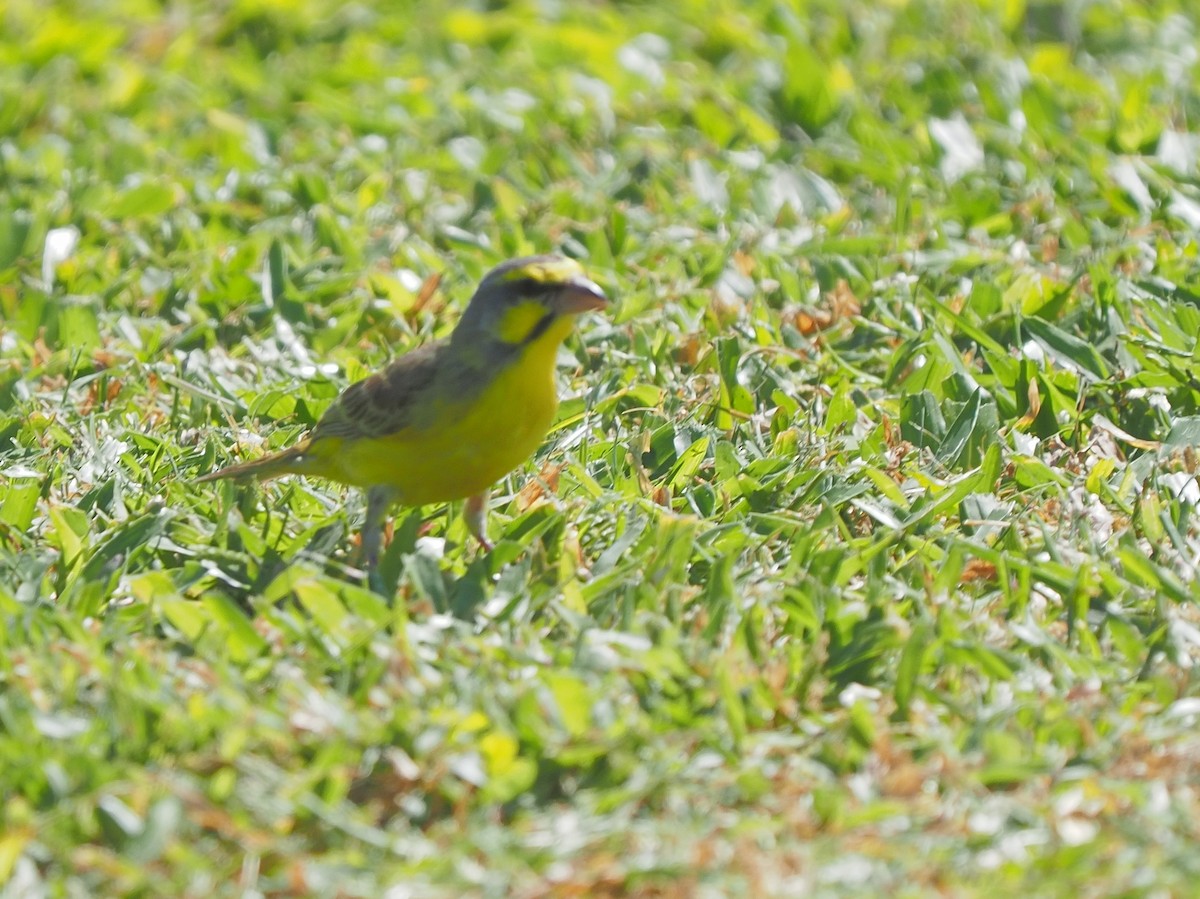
[468, 444]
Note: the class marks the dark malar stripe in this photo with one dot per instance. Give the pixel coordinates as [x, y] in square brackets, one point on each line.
[539, 329]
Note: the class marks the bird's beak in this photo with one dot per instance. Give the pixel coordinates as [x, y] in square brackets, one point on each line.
[579, 294]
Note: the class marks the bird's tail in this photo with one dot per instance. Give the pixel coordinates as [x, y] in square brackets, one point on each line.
[288, 461]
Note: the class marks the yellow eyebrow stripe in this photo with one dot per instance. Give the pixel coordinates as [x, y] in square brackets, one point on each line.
[552, 272]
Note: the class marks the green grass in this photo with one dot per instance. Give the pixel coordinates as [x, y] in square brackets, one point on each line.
[869, 565]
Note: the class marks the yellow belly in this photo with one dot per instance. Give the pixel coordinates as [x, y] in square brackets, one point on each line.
[468, 446]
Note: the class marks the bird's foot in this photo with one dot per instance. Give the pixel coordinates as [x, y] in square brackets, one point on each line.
[475, 515]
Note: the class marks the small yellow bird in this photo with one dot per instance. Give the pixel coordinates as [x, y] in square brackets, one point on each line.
[449, 419]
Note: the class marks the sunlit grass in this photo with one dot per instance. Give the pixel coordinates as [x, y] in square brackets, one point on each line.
[862, 559]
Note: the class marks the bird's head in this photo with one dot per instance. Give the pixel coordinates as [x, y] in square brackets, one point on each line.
[524, 300]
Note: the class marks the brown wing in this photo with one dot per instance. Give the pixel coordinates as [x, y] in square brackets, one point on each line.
[386, 402]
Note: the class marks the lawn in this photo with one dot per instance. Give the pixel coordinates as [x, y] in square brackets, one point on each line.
[861, 560]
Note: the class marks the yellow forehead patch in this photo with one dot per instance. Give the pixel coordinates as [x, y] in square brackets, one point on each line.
[551, 271]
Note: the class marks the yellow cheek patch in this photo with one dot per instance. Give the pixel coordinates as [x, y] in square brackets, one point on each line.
[519, 321]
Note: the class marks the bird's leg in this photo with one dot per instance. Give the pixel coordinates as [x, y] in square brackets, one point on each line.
[379, 500]
[475, 515]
